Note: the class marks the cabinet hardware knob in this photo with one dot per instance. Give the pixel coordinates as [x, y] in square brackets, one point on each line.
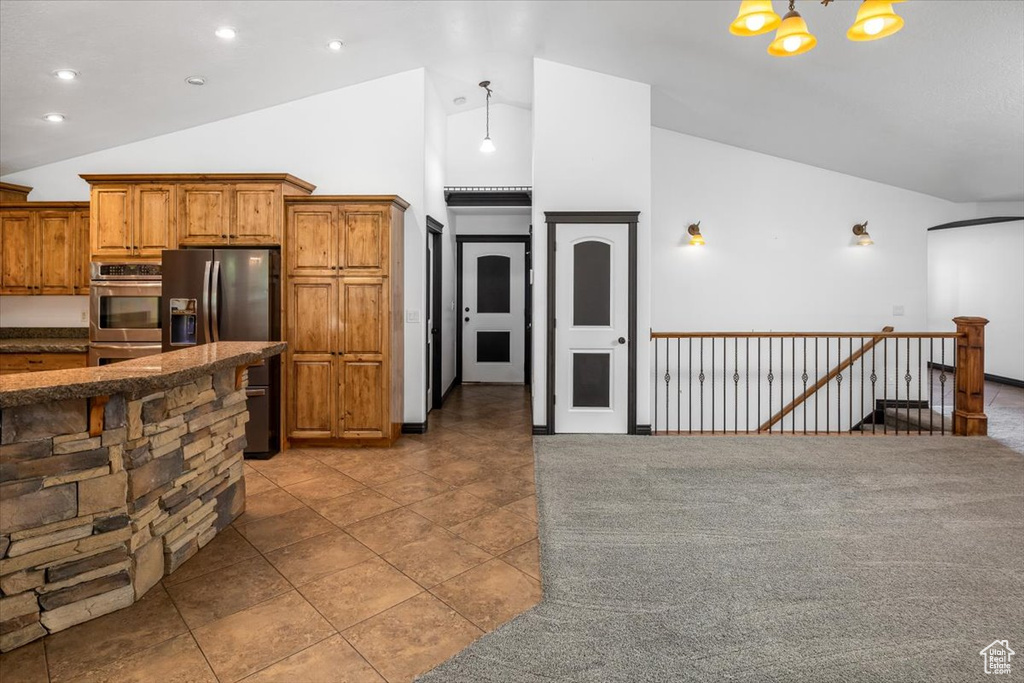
[224, 236]
[622, 340]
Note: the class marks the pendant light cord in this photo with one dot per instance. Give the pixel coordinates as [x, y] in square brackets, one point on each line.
[486, 85]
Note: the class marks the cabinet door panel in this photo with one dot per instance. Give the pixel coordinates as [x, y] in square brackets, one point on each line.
[110, 214]
[257, 214]
[80, 252]
[56, 241]
[311, 392]
[362, 315]
[18, 247]
[153, 228]
[204, 214]
[312, 306]
[312, 240]
[363, 239]
[362, 405]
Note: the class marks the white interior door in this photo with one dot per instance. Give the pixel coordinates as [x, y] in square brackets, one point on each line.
[493, 312]
[592, 329]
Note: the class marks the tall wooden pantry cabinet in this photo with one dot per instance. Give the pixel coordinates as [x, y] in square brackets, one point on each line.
[344, 319]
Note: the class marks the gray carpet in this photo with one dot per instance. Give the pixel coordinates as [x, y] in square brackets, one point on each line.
[766, 559]
[1006, 425]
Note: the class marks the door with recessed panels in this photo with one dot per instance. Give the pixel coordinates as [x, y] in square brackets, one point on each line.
[493, 312]
[591, 329]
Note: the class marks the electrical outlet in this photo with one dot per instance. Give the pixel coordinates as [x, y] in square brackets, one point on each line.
[412, 316]
[897, 309]
[84, 317]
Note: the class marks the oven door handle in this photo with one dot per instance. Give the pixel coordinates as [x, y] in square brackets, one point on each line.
[215, 304]
[206, 302]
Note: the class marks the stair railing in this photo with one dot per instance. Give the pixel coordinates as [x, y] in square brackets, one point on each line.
[820, 382]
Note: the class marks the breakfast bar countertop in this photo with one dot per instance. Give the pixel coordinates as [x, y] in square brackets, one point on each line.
[44, 339]
[136, 376]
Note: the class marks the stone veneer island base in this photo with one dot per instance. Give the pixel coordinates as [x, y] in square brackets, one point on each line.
[112, 477]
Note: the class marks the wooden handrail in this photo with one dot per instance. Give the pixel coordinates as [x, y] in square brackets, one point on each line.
[808, 335]
[850, 360]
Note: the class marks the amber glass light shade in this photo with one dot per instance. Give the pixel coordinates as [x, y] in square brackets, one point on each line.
[696, 239]
[875, 19]
[755, 17]
[792, 38]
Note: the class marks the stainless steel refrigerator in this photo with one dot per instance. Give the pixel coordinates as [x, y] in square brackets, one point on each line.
[212, 295]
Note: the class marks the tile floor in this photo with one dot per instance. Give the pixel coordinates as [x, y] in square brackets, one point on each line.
[347, 565]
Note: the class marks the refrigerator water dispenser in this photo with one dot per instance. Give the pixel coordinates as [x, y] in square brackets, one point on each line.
[183, 322]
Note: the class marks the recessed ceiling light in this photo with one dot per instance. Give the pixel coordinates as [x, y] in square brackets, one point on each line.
[459, 101]
[54, 118]
[226, 32]
[195, 80]
[66, 74]
[335, 45]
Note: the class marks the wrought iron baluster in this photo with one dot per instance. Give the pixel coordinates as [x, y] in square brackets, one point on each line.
[850, 403]
[931, 386]
[771, 378]
[655, 426]
[782, 381]
[828, 390]
[759, 383]
[700, 377]
[746, 403]
[736, 385]
[816, 393]
[679, 388]
[920, 400]
[712, 385]
[896, 382]
[942, 387]
[839, 387]
[689, 390]
[668, 380]
[885, 384]
[908, 378]
[804, 378]
[874, 395]
[861, 409]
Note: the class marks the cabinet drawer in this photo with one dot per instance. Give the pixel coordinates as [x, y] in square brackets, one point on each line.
[11, 363]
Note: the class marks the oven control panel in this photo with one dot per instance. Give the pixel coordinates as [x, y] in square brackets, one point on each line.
[125, 271]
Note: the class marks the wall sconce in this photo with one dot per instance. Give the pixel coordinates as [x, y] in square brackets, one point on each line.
[696, 239]
[863, 238]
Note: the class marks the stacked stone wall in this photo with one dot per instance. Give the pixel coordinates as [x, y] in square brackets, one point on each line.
[89, 523]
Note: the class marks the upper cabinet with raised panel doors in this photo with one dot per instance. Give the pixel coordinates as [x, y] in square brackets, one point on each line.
[343, 311]
[138, 216]
[42, 246]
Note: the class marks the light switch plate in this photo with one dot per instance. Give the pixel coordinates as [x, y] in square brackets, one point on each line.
[897, 309]
[412, 316]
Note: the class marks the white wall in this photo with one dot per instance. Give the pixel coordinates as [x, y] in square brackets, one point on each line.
[364, 139]
[494, 221]
[591, 152]
[976, 270]
[44, 311]
[509, 164]
[780, 251]
[436, 151]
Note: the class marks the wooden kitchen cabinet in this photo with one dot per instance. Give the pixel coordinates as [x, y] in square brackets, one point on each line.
[344, 328]
[145, 214]
[9, 192]
[42, 249]
[11, 363]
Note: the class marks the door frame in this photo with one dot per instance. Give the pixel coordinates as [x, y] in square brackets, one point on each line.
[525, 240]
[627, 219]
[434, 289]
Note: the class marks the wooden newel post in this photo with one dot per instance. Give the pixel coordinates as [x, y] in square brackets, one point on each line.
[969, 417]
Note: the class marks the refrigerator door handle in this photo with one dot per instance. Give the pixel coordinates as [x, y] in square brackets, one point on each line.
[206, 301]
[215, 304]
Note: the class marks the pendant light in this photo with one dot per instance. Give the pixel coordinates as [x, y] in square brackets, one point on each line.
[487, 146]
[875, 19]
[792, 38]
[755, 17]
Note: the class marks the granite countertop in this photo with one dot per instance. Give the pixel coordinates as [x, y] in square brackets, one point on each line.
[44, 339]
[137, 376]
[44, 345]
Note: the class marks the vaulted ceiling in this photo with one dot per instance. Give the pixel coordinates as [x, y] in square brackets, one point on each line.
[937, 108]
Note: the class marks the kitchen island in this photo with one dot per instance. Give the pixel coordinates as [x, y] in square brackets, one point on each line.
[111, 477]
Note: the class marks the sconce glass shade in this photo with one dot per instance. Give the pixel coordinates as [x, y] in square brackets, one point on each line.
[755, 17]
[875, 19]
[865, 240]
[697, 240]
[792, 38]
[487, 146]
